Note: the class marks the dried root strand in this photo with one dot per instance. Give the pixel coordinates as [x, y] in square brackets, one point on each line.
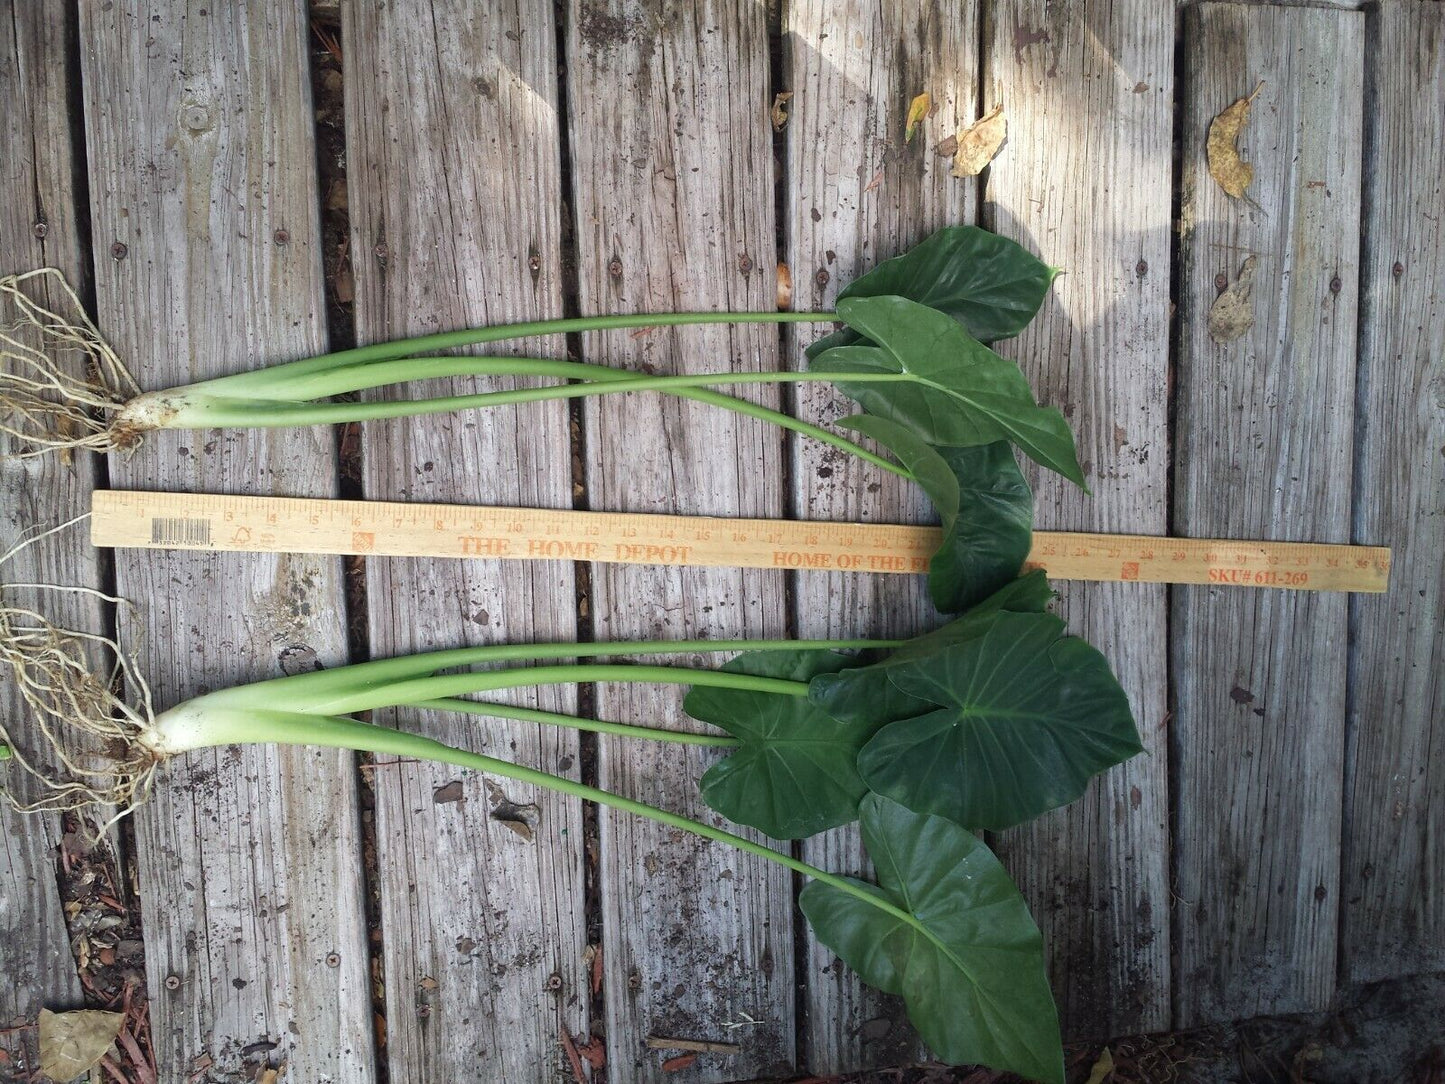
[80, 742]
[45, 402]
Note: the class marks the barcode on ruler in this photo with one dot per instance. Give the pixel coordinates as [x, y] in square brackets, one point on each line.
[176, 531]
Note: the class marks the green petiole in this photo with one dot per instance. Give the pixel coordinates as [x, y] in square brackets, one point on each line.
[573, 722]
[476, 336]
[389, 373]
[443, 686]
[286, 728]
[307, 692]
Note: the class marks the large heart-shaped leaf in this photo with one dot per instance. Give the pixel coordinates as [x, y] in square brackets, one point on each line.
[989, 284]
[958, 943]
[984, 504]
[1025, 717]
[867, 694]
[796, 771]
[955, 391]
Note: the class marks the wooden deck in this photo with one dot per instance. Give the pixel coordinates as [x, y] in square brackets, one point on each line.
[1282, 839]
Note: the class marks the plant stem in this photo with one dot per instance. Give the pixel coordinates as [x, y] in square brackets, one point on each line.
[303, 692]
[451, 340]
[595, 726]
[284, 728]
[405, 370]
[417, 690]
[223, 411]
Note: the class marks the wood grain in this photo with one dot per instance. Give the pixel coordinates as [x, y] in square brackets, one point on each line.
[454, 185]
[38, 228]
[673, 182]
[1264, 441]
[1084, 181]
[204, 203]
[1394, 869]
[859, 193]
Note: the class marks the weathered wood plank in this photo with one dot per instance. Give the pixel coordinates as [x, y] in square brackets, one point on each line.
[198, 122]
[857, 194]
[38, 228]
[1084, 181]
[455, 197]
[672, 168]
[1263, 449]
[1394, 868]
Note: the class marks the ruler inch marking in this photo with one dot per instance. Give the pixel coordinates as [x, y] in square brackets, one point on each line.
[130, 518]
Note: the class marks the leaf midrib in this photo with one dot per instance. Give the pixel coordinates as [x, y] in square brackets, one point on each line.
[942, 947]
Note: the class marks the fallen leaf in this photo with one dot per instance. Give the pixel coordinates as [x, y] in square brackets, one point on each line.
[1103, 1068]
[917, 111]
[948, 148]
[522, 828]
[594, 1053]
[450, 792]
[345, 287]
[268, 1076]
[72, 1043]
[778, 112]
[1232, 314]
[677, 1064]
[570, 1047]
[875, 182]
[979, 142]
[593, 959]
[1222, 147]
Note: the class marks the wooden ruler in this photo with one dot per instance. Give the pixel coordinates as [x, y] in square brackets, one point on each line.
[304, 525]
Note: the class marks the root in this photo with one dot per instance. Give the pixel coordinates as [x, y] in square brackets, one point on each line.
[43, 403]
[81, 743]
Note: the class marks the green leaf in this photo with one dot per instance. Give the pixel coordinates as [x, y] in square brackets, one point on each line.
[965, 955]
[961, 393]
[1025, 717]
[984, 505]
[989, 284]
[796, 772]
[1030, 593]
[868, 694]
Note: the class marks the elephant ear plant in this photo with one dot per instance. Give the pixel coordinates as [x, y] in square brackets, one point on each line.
[912, 354]
[990, 720]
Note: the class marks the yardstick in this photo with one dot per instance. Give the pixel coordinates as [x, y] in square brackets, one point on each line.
[202, 521]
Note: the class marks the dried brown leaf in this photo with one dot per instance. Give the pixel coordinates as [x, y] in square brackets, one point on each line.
[520, 827]
[779, 112]
[785, 288]
[917, 111]
[1232, 314]
[979, 142]
[1222, 147]
[72, 1043]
